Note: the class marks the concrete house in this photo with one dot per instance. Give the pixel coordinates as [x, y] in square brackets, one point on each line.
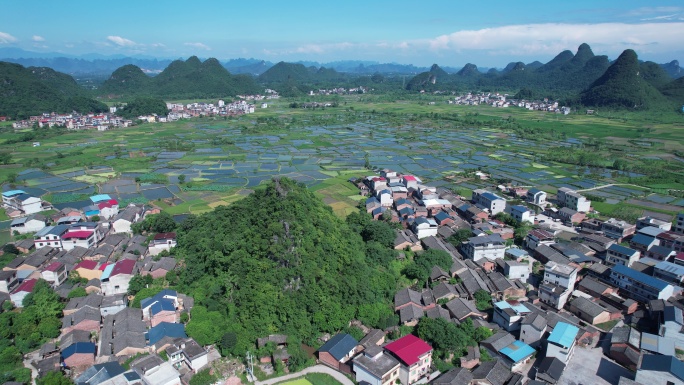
[639, 286]
[123, 334]
[8, 281]
[123, 221]
[414, 356]
[513, 352]
[532, 328]
[669, 272]
[490, 247]
[561, 342]
[617, 229]
[18, 295]
[188, 352]
[116, 277]
[50, 236]
[55, 273]
[79, 355]
[660, 370]
[489, 201]
[28, 224]
[509, 314]
[536, 196]
[161, 242]
[621, 255]
[559, 282]
[376, 367]
[589, 311]
[570, 198]
[424, 227]
[520, 213]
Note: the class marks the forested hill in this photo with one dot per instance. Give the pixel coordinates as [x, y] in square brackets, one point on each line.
[280, 261]
[181, 79]
[34, 90]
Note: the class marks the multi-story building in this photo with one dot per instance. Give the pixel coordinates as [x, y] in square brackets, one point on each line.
[414, 355]
[679, 224]
[639, 286]
[50, 236]
[520, 213]
[621, 255]
[78, 238]
[19, 200]
[376, 367]
[509, 314]
[653, 222]
[561, 342]
[490, 247]
[559, 282]
[489, 201]
[536, 196]
[669, 272]
[572, 199]
[617, 229]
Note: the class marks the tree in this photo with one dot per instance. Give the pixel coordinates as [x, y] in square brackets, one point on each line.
[139, 282]
[11, 249]
[483, 300]
[11, 177]
[460, 236]
[228, 343]
[203, 377]
[181, 178]
[77, 292]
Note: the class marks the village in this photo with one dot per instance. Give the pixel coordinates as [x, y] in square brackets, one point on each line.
[573, 300]
[496, 99]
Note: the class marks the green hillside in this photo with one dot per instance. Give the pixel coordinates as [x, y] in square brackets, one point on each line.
[622, 86]
[32, 91]
[280, 261]
[191, 78]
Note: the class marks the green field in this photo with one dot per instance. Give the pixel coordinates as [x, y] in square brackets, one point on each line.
[225, 159]
[300, 381]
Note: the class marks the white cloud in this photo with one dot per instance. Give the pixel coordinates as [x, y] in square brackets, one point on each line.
[37, 38]
[6, 38]
[652, 10]
[121, 42]
[199, 46]
[552, 38]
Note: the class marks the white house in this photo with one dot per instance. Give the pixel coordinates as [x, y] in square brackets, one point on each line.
[50, 236]
[521, 213]
[572, 199]
[375, 367]
[490, 247]
[561, 342]
[78, 238]
[621, 255]
[536, 196]
[425, 227]
[161, 242]
[55, 273]
[19, 200]
[115, 278]
[123, 221]
[489, 201]
[189, 351]
[29, 224]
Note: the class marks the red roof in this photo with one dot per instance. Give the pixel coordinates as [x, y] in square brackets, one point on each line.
[27, 286]
[54, 266]
[125, 266]
[409, 177]
[80, 234]
[104, 266]
[89, 265]
[162, 236]
[102, 205]
[113, 202]
[680, 256]
[409, 349]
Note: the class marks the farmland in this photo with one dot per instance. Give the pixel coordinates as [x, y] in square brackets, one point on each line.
[192, 166]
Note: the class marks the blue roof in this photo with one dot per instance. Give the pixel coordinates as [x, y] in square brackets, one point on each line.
[563, 334]
[517, 252]
[660, 363]
[621, 249]
[650, 230]
[78, 347]
[518, 307]
[145, 302]
[12, 193]
[520, 208]
[517, 351]
[162, 305]
[339, 346]
[534, 190]
[642, 239]
[670, 267]
[107, 272]
[442, 216]
[99, 373]
[640, 277]
[165, 329]
[491, 196]
[100, 198]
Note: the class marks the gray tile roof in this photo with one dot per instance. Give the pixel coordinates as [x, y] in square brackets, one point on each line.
[494, 371]
[626, 335]
[461, 308]
[404, 296]
[410, 313]
[456, 376]
[499, 340]
[588, 307]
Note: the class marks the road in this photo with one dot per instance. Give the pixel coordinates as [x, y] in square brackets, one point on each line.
[608, 185]
[314, 369]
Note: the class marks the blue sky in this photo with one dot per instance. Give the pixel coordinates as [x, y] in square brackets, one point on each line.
[450, 33]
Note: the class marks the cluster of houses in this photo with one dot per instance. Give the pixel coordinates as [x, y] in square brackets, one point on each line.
[75, 121]
[501, 100]
[100, 330]
[549, 294]
[339, 91]
[221, 108]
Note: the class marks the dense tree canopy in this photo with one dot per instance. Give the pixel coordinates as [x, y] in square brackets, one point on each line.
[279, 261]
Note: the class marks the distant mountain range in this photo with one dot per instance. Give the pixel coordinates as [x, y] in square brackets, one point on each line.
[580, 78]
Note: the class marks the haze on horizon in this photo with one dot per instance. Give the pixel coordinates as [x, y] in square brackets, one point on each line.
[450, 33]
